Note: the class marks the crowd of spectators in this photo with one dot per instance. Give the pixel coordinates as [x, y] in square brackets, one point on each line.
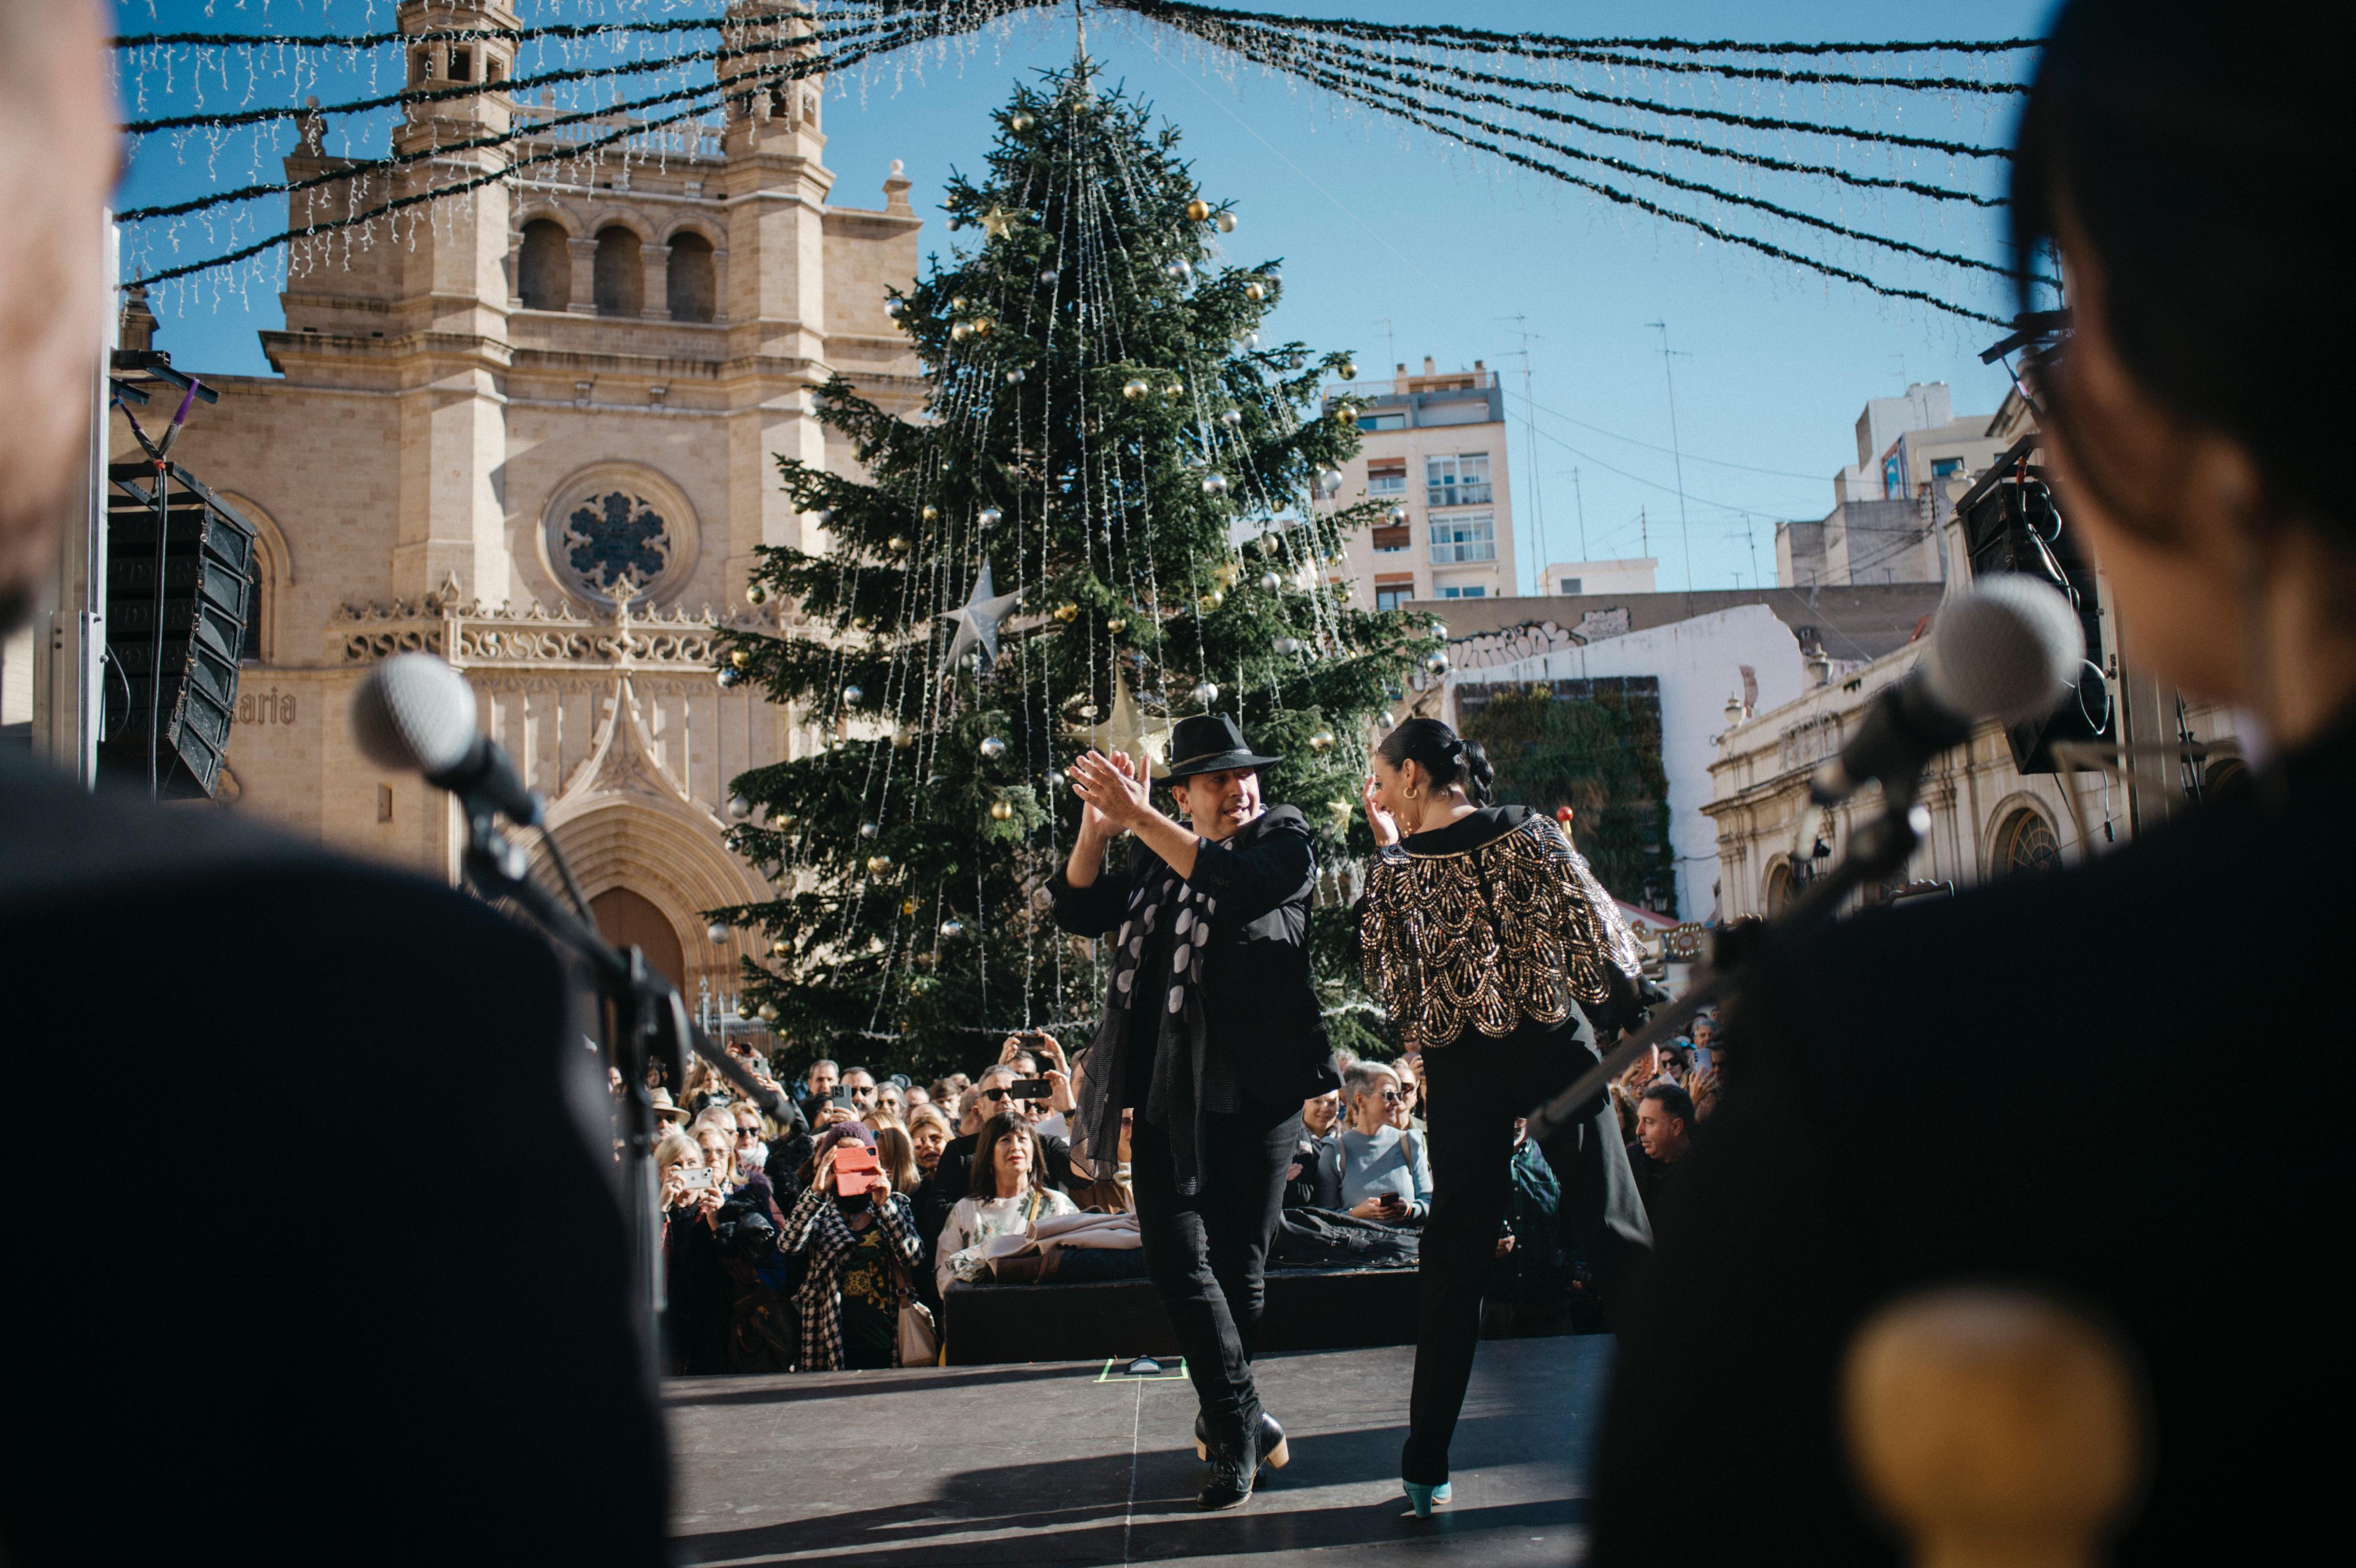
[774, 1264]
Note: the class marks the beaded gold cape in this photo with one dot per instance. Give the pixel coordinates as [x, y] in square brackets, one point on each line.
[1485, 937]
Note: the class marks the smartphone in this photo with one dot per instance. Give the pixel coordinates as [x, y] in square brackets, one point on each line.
[696, 1179]
[856, 1171]
[1703, 1060]
[1029, 1089]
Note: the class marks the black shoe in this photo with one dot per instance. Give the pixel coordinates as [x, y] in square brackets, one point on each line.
[1275, 1453]
[1233, 1471]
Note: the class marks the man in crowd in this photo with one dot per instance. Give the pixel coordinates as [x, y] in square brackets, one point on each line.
[1664, 1123]
[862, 1085]
[818, 1087]
[1321, 1116]
[357, 1372]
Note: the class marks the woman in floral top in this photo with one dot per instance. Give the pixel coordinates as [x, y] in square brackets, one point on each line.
[1007, 1199]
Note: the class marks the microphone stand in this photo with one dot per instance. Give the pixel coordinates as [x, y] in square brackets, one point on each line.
[641, 1015]
[1877, 849]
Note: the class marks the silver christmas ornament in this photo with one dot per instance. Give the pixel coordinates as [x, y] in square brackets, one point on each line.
[1048, 276]
[1215, 484]
[1385, 719]
[732, 678]
[869, 829]
[1014, 376]
[977, 619]
[1437, 664]
[988, 516]
[1232, 419]
[992, 747]
[1205, 693]
[1269, 582]
[852, 697]
[1178, 272]
[1288, 647]
[739, 807]
[824, 516]
[953, 928]
[1329, 479]
[895, 308]
[1399, 516]
[716, 932]
[1056, 779]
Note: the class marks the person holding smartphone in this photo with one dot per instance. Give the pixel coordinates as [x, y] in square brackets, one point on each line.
[1377, 1169]
[858, 1240]
[1212, 1037]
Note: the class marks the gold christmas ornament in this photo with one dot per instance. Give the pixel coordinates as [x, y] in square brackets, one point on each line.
[1349, 370]
[1000, 811]
[1020, 122]
[1134, 388]
[756, 594]
[1067, 612]
[931, 513]
[908, 906]
[766, 1012]
[983, 326]
[1198, 211]
[1347, 417]
[878, 864]
[1224, 574]
[746, 1008]
[895, 544]
[1255, 290]
[1174, 389]
[740, 658]
[860, 624]
[997, 221]
[959, 332]
[957, 304]
[780, 947]
[1322, 742]
[925, 960]
[1211, 601]
[1340, 809]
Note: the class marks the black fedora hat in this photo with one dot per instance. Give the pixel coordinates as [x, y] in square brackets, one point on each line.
[1210, 743]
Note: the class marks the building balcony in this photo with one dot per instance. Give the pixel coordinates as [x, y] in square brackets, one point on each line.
[1458, 495]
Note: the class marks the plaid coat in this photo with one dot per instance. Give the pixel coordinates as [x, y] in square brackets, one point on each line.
[816, 1228]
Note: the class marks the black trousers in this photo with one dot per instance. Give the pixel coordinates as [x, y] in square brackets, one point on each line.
[1476, 1088]
[1205, 1253]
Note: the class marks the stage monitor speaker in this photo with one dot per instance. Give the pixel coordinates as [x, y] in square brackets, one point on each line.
[207, 558]
[2011, 524]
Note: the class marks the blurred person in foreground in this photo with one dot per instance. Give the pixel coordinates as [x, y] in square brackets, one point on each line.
[478, 1372]
[1881, 1128]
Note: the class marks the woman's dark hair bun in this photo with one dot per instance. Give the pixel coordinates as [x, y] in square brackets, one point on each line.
[1440, 751]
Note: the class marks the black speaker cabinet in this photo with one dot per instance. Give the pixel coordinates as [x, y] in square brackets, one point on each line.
[2011, 523]
[205, 553]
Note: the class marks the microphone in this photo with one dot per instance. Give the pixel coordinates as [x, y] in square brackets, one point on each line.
[417, 714]
[2008, 649]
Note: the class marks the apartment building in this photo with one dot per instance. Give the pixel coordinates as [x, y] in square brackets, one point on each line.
[1915, 455]
[1434, 448]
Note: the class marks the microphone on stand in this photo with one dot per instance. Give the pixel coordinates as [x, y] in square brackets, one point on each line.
[2008, 649]
[415, 713]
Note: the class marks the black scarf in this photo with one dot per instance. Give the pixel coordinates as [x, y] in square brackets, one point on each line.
[1176, 1099]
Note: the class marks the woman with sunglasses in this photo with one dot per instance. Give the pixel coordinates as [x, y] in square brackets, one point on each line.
[1484, 934]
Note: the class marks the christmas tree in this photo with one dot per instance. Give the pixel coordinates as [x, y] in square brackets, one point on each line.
[1119, 508]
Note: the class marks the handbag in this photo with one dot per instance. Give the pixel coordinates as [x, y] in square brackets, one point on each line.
[920, 1337]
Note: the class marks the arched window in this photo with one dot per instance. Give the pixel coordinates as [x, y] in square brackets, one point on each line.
[1779, 888]
[544, 266]
[2025, 842]
[257, 584]
[621, 281]
[690, 283]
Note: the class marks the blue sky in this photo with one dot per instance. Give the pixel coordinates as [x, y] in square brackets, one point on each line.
[1394, 245]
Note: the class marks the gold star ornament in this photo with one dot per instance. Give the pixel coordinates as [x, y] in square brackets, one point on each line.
[997, 221]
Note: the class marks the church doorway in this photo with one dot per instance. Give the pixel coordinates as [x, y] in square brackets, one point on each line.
[630, 919]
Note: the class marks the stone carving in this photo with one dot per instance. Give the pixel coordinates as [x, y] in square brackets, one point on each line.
[470, 633]
[615, 547]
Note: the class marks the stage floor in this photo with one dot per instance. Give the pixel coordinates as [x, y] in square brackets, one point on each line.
[1045, 1463]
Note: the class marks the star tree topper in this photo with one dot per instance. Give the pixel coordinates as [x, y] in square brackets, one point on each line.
[977, 619]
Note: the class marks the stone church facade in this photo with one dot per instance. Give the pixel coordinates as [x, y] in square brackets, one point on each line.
[533, 428]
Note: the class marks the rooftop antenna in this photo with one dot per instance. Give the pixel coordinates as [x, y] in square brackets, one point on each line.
[1580, 495]
[1390, 347]
[1675, 450]
[1530, 425]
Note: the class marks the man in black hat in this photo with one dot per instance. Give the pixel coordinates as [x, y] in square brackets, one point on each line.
[1211, 1034]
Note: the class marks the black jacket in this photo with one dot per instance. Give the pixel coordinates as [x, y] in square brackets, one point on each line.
[2068, 1078]
[465, 1334]
[1259, 1001]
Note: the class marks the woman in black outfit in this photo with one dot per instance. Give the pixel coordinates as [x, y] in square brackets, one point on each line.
[1481, 928]
[2066, 1077]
